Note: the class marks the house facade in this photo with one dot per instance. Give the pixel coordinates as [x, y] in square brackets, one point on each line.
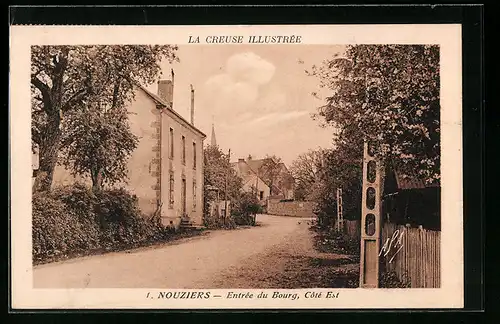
[256, 176]
[274, 174]
[251, 181]
[165, 171]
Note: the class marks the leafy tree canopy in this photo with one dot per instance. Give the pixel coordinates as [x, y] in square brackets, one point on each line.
[389, 95]
[66, 78]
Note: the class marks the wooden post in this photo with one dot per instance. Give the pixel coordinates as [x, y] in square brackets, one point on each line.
[370, 221]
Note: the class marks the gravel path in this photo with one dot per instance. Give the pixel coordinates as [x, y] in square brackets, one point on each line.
[187, 263]
[291, 264]
[279, 253]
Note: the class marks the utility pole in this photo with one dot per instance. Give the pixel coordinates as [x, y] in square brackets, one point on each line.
[257, 185]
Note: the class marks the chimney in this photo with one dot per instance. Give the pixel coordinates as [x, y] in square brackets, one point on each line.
[166, 90]
[192, 105]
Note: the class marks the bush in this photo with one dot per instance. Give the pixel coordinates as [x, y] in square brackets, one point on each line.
[80, 201]
[338, 242]
[240, 219]
[117, 206]
[57, 229]
[391, 280]
[72, 220]
[78, 198]
[218, 222]
[245, 209]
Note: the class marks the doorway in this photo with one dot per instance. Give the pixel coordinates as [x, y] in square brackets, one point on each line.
[183, 198]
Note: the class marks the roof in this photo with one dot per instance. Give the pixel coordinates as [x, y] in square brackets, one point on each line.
[242, 168]
[169, 107]
[407, 178]
[255, 165]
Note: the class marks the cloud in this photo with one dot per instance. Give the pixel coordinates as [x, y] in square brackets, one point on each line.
[237, 89]
[275, 118]
[251, 68]
[272, 101]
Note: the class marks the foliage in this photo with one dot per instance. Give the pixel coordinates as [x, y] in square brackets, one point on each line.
[117, 206]
[69, 78]
[218, 170]
[79, 198]
[274, 173]
[74, 220]
[57, 230]
[98, 143]
[390, 279]
[389, 95]
[217, 222]
[340, 169]
[306, 171]
[333, 241]
[246, 208]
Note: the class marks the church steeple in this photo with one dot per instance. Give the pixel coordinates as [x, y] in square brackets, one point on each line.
[213, 140]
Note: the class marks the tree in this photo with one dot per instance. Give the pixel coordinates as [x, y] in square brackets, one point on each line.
[65, 78]
[339, 170]
[217, 168]
[270, 171]
[389, 95]
[99, 144]
[306, 172]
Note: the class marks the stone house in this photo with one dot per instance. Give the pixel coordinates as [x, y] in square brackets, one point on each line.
[251, 180]
[166, 169]
[255, 175]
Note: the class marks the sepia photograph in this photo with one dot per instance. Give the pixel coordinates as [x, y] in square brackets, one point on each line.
[254, 153]
[218, 168]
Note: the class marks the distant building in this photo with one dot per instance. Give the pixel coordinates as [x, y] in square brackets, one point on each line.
[213, 140]
[166, 169]
[255, 175]
[252, 182]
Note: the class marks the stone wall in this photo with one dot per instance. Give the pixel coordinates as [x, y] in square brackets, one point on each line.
[290, 208]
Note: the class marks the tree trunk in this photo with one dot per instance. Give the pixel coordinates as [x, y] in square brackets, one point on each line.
[49, 148]
[97, 179]
[52, 104]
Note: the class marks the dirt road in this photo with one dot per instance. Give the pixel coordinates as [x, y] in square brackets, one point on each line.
[256, 257]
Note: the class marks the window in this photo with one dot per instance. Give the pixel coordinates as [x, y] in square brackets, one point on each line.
[183, 150]
[261, 195]
[194, 195]
[194, 155]
[171, 192]
[171, 143]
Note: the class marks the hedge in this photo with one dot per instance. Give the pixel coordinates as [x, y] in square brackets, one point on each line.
[73, 220]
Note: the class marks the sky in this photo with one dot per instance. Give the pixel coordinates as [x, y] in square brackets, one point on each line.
[258, 96]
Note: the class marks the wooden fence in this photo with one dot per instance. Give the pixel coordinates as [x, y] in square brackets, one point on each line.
[413, 253]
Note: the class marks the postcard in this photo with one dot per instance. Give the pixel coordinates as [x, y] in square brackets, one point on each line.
[236, 167]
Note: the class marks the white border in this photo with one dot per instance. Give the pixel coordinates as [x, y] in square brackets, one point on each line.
[450, 295]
